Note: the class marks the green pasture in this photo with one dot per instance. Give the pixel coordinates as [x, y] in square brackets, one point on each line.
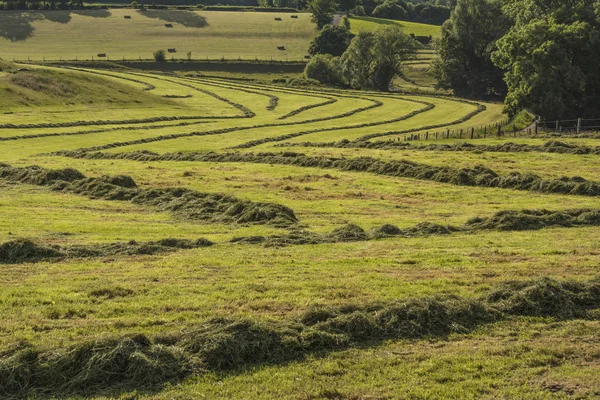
[359, 24]
[83, 35]
[57, 303]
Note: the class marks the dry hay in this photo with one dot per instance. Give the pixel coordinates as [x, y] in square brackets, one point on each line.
[25, 250]
[222, 344]
[479, 175]
[212, 207]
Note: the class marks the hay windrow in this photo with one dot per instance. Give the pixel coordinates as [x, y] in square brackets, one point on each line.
[209, 207]
[552, 146]
[26, 250]
[480, 176]
[140, 362]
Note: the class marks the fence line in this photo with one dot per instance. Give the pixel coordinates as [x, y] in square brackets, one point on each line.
[506, 129]
[275, 59]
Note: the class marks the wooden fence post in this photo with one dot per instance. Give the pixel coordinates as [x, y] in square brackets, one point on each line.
[578, 125]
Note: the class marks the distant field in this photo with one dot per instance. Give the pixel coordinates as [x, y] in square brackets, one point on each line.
[358, 24]
[84, 34]
[187, 236]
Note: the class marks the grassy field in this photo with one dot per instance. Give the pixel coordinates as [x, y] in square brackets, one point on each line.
[367, 268]
[358, 24]
[84, 34]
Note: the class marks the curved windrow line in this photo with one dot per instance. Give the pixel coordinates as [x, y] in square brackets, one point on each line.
[257, 142]
[225, 344]
[480, 108]
[227, 130]
[235, 85]
[240, 87]
[273, 100]
[190, 204]
[552, 146]
[246, 111]
[306, 108]
[148, 87]
[91, 131]
[478, 176]
[111, 122]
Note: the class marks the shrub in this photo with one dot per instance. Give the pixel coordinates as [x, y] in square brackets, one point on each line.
[325, 69]
[160, 56]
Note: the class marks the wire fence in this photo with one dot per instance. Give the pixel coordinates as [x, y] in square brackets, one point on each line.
[506, 128]
[571, 125]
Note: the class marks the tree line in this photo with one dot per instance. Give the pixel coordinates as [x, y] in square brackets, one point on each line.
[41, 5]
[540, 55]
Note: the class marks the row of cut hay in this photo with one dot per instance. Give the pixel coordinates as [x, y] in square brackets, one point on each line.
[139, 362]
[91, 131]
[221, 131]
[273, 100]
[375, 103]
[147, 86]
[209, 207]
[480, 176]
[506, 220]
[247, 113]
[245, 110]
[254, 143]
[25, 250]
[552, 146]
[116, 122]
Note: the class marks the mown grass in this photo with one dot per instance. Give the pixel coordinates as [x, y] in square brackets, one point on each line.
[358, 24]
[116, 275]
[212, 34]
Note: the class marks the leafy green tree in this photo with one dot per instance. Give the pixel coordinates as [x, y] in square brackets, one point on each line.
[374, 58]
[347, 5]
[552, 58]
[467, 42]
[325, 68]
[332, 40]
[322, 11]
[390, 9]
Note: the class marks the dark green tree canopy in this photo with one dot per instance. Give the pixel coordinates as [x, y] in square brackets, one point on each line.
[332, 40]
[390, 9]
[552, 58]
[467, 42]
[374, 58]
[322, 11]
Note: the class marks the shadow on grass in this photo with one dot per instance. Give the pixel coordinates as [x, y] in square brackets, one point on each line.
[17, 26]
[189, 19]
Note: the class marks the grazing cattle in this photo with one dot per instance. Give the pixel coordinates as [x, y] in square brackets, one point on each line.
[280, 47]
[101, 54]
[172, 50]
[169, 25]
